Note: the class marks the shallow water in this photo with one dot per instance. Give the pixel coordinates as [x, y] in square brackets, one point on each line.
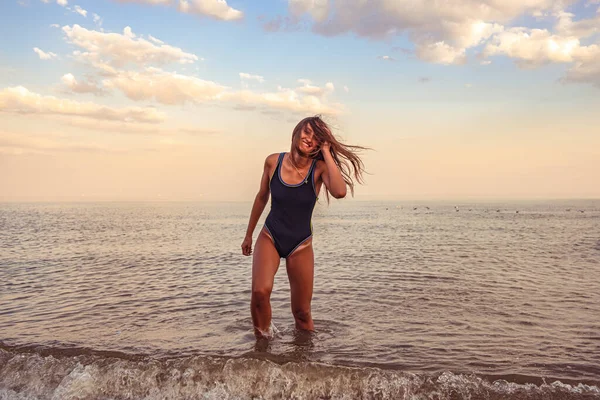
[420, 300]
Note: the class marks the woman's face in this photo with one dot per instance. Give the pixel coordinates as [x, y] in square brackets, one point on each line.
[308, 142]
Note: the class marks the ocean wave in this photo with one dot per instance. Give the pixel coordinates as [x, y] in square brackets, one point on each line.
[93, 375]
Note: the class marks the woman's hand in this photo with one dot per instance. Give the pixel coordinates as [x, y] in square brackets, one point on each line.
[247, 246]
[325, 148]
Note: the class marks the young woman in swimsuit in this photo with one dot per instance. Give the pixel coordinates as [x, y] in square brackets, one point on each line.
[294, 181]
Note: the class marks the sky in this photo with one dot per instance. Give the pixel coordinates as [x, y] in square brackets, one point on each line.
[182, 100]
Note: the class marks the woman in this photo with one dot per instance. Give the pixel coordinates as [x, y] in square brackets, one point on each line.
[294, 180]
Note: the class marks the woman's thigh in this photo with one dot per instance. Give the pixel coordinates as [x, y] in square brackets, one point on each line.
[300, 269]
[265, 263]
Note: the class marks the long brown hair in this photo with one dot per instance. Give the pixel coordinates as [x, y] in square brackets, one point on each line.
[344, 155]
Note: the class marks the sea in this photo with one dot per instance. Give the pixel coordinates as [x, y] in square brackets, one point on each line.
[412, 300]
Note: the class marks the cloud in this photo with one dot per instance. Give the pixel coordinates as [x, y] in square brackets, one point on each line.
[245, 76]
[80, 11]
[586, 68]
[346, 89]
[281, 23]
[445, 32]
[109, 53]
[216, 9]
[441, 32]
[97, 19]
[309, 89]
[63, 3]
[533, 47]
[164, 87]
[173, 88]
[284, 100]
[583, 28]
[121, 49]
[155, 40]
[43, 55]
[424, 79]
[20, 100]
[386, 58]
[317, 9]
[441, 53]
[76, 86]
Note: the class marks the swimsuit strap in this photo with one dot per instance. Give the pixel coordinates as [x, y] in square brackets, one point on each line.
[279, 161]
[312, 167]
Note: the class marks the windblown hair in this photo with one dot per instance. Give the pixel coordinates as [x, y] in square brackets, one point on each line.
[344, 155]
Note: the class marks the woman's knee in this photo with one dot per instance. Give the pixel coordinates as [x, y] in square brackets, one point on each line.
[261, 296]
[302, 314]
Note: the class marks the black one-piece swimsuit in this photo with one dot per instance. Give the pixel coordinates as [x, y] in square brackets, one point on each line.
[290, 220]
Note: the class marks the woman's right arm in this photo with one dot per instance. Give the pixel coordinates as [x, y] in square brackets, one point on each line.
[260, 201]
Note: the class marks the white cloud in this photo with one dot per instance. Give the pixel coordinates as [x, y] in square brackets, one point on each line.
[311, 90]
[217, 9]
[442, 32]
[318, 9]
[155, 40]
[59, 2]
[43, 55]
[250, 77]
[308, 88]
[97, 19]
[80, 11]
[109, 53]
[20, 100]
[55, 26]
[172, 88]
[387, 58]
[441, 53]
[76, 86]
[164, 87]
[346, 89]
[581, 28]
[94, 60]
[121, 49]
[586, 68]
[284, 100]
[533, 47]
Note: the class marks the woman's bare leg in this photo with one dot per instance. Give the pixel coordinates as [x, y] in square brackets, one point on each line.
[300, 269]
[265, 262]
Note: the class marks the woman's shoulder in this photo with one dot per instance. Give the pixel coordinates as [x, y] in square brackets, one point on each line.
[271, 159]
[320, 165]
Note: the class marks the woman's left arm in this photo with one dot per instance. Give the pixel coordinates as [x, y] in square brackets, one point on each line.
[332, 177]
